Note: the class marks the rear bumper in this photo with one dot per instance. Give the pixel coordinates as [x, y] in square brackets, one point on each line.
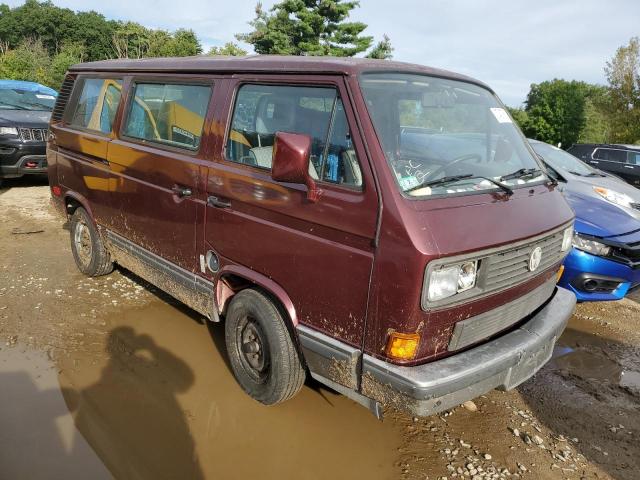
[504, 363]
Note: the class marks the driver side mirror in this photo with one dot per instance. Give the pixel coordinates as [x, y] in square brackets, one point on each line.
[291, 162]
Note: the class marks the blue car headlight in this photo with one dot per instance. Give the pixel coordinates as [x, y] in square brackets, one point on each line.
[614, 197]
[590, 246]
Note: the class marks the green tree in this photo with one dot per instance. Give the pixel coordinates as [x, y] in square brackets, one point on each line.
[100, 38]
[29, 61]
[130, 40]
[181, 43]
[69, 54]
[307, 27]
[597, 128]
[556, 111]
[228, 48]
[520, 116]
[382, 50]
[623, 74]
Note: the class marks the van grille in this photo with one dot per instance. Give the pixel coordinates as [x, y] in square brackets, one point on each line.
[474, 329]
[33, 134]
[511, 267]
[63, 98]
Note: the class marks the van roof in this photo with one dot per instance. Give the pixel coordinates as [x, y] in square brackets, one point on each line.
[266, 64]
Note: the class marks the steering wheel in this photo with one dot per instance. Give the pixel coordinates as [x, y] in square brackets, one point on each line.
[462, 158]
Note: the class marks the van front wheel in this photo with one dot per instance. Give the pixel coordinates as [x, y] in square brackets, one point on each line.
[91, 257]
[263, 357]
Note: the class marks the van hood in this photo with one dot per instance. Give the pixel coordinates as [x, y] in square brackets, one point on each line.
[599, 218]
[468, 224]
[25, 118]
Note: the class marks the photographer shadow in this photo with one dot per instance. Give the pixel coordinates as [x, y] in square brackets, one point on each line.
[131, 416]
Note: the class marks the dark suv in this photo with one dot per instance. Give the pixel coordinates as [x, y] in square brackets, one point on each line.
[621, 160]
[25, 108]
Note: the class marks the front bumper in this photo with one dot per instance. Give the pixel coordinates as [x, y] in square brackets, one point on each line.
[579, 265]
[502, 363]
[18, 159]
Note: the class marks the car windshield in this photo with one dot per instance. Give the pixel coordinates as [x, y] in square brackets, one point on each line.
[446, 137]
[28, 97]
[562, 161]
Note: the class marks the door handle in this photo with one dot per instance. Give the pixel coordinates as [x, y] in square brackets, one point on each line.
[593, 161]
[214, 201]
[181, 191]
[629, 166]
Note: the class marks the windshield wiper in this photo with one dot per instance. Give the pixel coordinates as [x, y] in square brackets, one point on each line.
[521, 173]
[19, 107]
[36, 104]
[440, 181]
[455, 178]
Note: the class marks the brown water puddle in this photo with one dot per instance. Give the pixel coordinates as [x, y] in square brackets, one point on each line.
[160, 402]
[38, 439]
[581, 354]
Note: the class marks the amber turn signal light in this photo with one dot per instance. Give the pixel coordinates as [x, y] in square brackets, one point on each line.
[560, 272]
[402, 346]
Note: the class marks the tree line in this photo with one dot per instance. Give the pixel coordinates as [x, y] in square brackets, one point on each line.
[39, 41]
[567, 112]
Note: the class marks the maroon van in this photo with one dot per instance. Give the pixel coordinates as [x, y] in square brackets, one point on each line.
[382, 227]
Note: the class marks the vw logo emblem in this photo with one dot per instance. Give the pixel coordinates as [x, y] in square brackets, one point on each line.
[534, 259]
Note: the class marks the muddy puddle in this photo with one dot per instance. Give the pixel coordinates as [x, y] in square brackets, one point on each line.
[583, 355]
[38, 438]
[594, 367]
[161, 402]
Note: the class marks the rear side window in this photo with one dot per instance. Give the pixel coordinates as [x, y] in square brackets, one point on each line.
[169, 114]
[633, 158]
[263, 110]
[611, 155]
[97, 103]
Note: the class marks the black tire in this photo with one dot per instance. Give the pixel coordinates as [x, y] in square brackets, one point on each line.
[91, 257]
[271, 371]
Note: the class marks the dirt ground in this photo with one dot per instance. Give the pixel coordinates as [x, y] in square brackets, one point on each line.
[109, 377]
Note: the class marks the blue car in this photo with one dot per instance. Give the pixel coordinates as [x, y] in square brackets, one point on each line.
[604, 263]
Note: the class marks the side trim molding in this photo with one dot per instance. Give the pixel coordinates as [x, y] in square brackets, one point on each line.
[191, 289]
[336, 365]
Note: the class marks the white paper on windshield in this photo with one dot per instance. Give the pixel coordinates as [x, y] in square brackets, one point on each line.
[501, 115]
[48, 97]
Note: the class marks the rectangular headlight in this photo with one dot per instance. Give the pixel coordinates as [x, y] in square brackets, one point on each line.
[567, 238]
[443, 283]
[8, 131]
[590, 246]
[447, 281]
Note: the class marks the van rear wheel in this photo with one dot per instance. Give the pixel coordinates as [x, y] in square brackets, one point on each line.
[89, 252]
[263, 357]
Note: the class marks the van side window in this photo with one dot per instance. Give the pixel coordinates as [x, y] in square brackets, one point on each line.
[97, 104]
[168, 113]
[263, 110]
[341, 164]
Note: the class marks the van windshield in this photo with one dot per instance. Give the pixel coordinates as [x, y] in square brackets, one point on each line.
[446, 137]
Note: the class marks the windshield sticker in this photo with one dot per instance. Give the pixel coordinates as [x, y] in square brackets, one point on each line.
[501, 115]
[47, 97]
[408, 182]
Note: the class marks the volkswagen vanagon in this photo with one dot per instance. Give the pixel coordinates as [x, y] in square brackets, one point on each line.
[381, 227]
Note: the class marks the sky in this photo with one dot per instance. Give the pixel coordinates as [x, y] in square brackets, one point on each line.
[509, 44]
